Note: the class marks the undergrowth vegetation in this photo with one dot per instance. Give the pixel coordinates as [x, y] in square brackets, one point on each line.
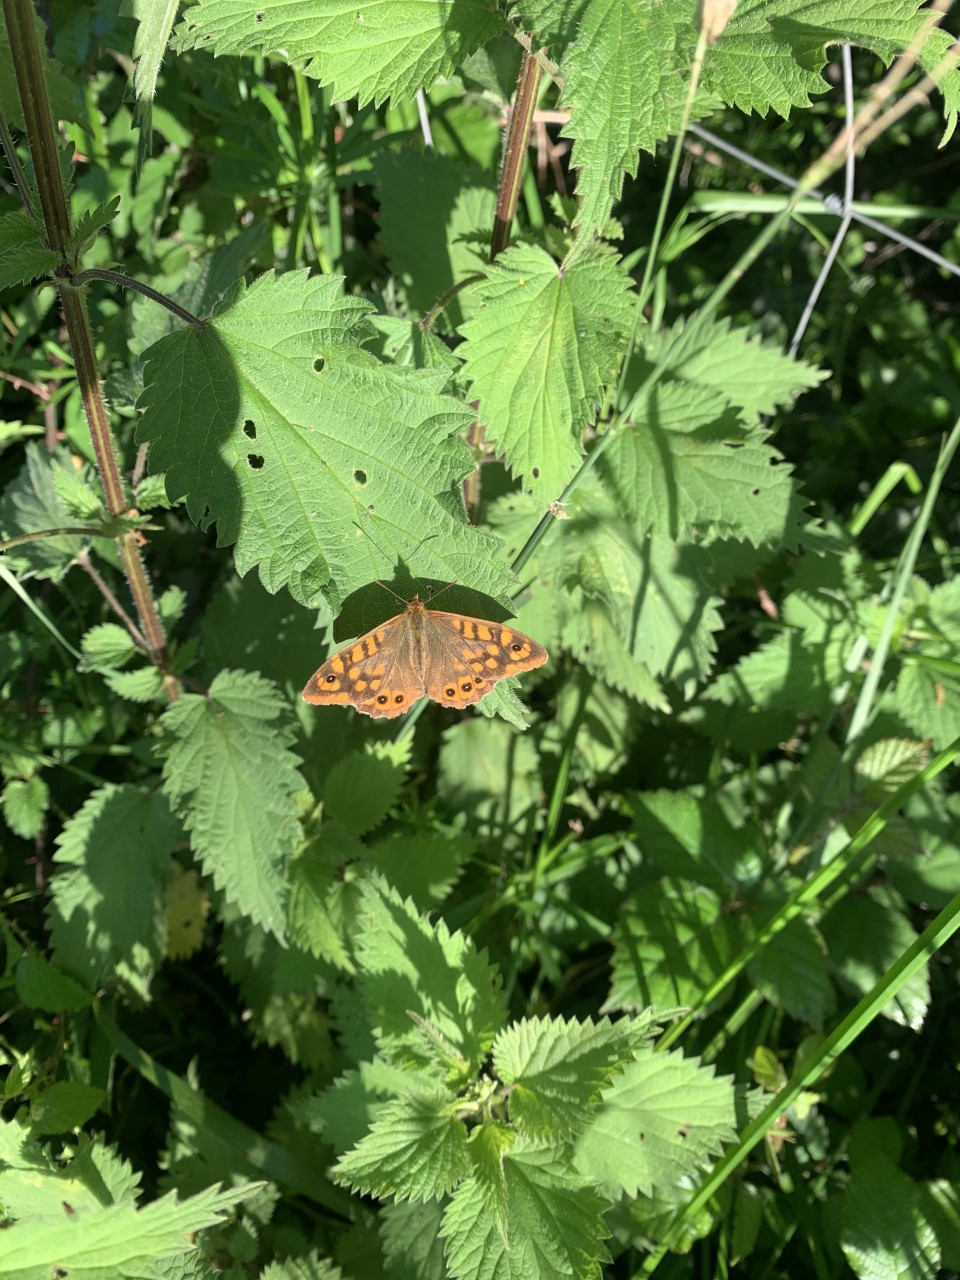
[639, 963]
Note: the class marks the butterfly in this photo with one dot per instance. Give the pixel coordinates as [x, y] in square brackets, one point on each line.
[453, 659]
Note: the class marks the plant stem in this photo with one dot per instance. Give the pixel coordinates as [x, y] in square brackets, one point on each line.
[28, 66]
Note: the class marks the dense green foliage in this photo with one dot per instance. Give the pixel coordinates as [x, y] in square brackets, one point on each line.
[645, 971]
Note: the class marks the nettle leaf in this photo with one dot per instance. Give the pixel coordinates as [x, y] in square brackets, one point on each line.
[424, 866]
[928, 699]
[771, 55]
[29, 505]
[122, 1239]
[592, 634]
[865, 936]
[660, 1122]
[525, 1213]
[691, 838]
[409, 966]
[885, 1231]
[645, 51]
[41, 985]
[107, 646]
[687, 469]
[325, 467]
[756, 376]
[361, 789]
[107, 905]
[231, 778]
[793, 973]
[416, 1149]
[145, 684]
[410, 1235]
[309, 1266]
[381, 49]
[650, 588]
[556, 1070]
[539, 353]
[23, 803]
[23, 254]
[668, 946]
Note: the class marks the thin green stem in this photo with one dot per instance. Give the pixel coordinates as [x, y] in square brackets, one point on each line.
[914, 958]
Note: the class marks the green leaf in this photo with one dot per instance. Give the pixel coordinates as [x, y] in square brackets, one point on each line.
[771, 55]
[885, 1234]
[491, 774]
[755, 376]
[145, 684]
[928, 699]
[29, 505]
[556, 1069]
[692, 839]
[107, 912]
[119, 1239]
[360, 790]
[64, 1106]
[77, 497]
[524, 1214]
[41, 985]
[792, 972]
[650, 588]
[323, 466]
[34, 1185]
[407, 964]
[390, 48]
[231, 778]
[686, 469]
[107, 646]
[24, 802]
[423, 867]
[660, 1122]
[539, 353]
[411, 1241]
[668, 946]
[312, 925]
[308, 1267]
[645, 51]
[91, 223]
[867, 934]
[416, 1150]
[23, 254]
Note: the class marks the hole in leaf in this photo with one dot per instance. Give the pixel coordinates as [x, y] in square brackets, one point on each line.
[255, 460]
[249, 430]
[258, 17]
[319, 363]
[755, 493]
[359, 478]
[535, 472]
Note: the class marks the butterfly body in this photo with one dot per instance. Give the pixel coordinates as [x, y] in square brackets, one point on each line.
[448, 657]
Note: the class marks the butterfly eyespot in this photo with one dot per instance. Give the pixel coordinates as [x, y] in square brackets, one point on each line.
[451, 692]
[399, 698]
[466, 687]
[516, 646]
[382, 699]
[331, 679]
